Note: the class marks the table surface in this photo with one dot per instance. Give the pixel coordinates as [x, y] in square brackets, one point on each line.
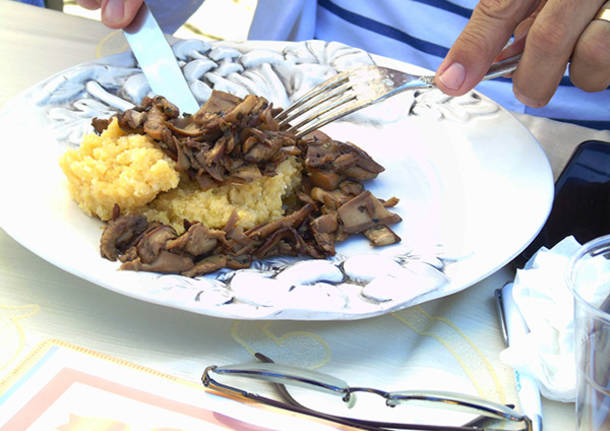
[457, 336]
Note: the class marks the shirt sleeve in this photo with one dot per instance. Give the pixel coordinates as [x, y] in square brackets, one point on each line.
[284, 20]
[172, 14]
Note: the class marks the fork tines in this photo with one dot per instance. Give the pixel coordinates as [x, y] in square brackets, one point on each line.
[351, 90]
[323, 103]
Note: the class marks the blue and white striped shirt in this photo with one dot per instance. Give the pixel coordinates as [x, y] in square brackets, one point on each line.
[418, 32]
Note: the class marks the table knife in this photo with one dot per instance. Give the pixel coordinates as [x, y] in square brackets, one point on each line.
[157, 61]
[513, 326]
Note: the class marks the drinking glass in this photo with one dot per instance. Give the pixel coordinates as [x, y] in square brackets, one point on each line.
[589, 280]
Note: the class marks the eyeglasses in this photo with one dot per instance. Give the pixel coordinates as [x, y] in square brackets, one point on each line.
[491, 416]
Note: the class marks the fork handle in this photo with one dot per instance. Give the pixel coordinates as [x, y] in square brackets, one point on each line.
[502, 67]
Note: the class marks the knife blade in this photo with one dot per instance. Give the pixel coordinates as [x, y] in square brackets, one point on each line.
[157, 61]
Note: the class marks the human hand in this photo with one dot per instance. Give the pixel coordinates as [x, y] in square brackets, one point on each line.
[550, 33]
[115, 13]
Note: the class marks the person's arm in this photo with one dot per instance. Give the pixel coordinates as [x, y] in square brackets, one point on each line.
[550, 33]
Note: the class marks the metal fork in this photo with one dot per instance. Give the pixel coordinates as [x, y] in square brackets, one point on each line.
[357, 88]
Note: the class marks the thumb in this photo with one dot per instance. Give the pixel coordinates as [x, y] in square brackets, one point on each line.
[119, 13]
[484, 36]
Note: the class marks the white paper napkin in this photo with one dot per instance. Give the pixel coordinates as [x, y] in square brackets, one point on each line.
[542, 295]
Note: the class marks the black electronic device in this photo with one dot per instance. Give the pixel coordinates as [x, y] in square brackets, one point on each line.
[581, 206]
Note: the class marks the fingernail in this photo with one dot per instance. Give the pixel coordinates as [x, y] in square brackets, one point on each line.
[112, 11]
[526, 100]
[453, 77]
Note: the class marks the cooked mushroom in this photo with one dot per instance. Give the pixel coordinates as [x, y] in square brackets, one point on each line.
[153, 241]
[233, 140]
[363, 160]
[293, 244]
[100, 124]
[344, 158]
[165, 262]
[207, 265]
[132, 119]
[292, 220]
[196, 241]
[244, 107]
[225, 134]
[363, 212]
[333, 199]
[119, 234]
[392, 202]
[321, 151]
[324, 178]
[245, 174]
[219, 101]
[154, 123]
[351, 187]
[324, 228]
[381, 235]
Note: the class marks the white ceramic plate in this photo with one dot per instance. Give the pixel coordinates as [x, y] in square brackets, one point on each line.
[474, 186]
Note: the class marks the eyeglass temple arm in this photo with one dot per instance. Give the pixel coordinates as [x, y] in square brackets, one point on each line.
[280, 388]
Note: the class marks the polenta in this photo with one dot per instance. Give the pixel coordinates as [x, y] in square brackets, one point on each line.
[256, 202]
[117, 168]
[130, 171]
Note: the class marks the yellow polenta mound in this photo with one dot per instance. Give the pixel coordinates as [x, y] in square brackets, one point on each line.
[116, 168]
[128, 170]
[256, 202]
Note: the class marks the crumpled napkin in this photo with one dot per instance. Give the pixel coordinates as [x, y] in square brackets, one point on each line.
[546, 304]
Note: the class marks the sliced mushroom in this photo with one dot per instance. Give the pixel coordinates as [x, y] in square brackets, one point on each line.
[324, 228]
[363, 212]
[132, 120]
[381, 235]
[239, 262]
[219, 101]
[154, 124]
[206, 266]
[166, 262]
[363, 160]
[344, 161]
[358, 173]
[189, 129]
[326, 179]
[392, 202]
[265, 148]
[333, 199]
[245, 174]
[100, 124]
[119, 234]
[285, 241]
[196, 241]
[292, 220]
[352, 188]
[153, 241]
[321, 153]
[130, 254]
[244, 107]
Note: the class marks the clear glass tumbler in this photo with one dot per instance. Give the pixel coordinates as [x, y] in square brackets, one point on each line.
[589, 280]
